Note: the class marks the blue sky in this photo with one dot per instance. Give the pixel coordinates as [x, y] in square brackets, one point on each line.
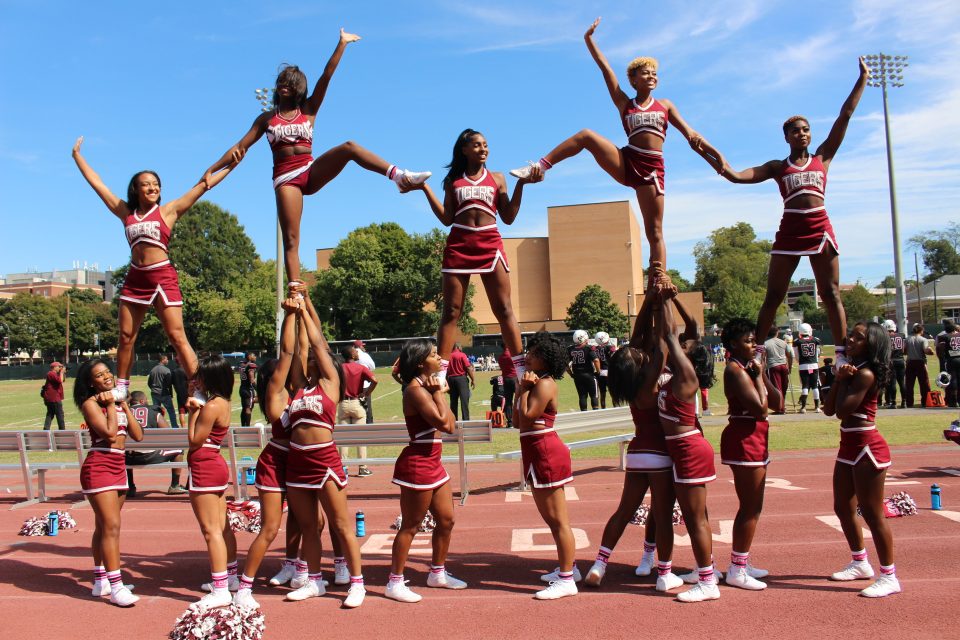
[169, 86]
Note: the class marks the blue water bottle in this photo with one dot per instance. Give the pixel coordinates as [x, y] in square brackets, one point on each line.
[53, 523]
[935, 497]
[361, 525]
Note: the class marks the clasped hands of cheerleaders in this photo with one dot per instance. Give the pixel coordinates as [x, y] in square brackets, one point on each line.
[473, 200]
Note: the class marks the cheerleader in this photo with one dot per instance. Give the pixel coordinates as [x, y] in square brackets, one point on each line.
[861, 467]
[424, 484]
[314, 468]
[151, 279]
[272, 465]
[805, 228]
[209, 424]
[473, 197]
[103, 476]
[289, 129]
[743, 444]
[546, 460]
[690, 452]
[634, 379]
[639, 165]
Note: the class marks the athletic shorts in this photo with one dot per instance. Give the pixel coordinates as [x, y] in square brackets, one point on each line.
[804, 232]
[546, 460]
[810, 379]
[272, 467]
[103, 470]
[208, 470]
[246, 398]
[863, 441]
[473, 250]
[419, 467]
[309, 466]
[692, 458]
[744, 442]
[142, 284]
[643, 167]
[293, 171]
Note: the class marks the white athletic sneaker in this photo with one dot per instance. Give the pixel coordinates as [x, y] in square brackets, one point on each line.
[215, 600]
[856, 570]
[647, 563]
[524, 172]
[123, 598]
[341, 573]
[413, 177]
[741, 578]
[886, 585]
[754, 572]
[445, 581]
[700, 592]
[285, 575]
[355, 595]
[554, 575]
[300, 579]
[312, 589]
[101, 588]
[596, 573]
[244, 598]
[694, 577]
[668, 581]
[400, 592]
[120, 393]
[557, 589]
[233, 583]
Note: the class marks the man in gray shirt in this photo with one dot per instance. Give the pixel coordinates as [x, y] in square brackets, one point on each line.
[779, 366]
[917, 352]
[160, 383]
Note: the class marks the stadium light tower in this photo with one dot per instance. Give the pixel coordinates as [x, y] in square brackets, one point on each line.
[888, 70]
[265, 98]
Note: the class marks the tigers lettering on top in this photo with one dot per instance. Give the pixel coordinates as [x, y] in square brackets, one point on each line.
[148, 228]
[650, 119]
[810, 178]
[476, 194]
[292, 132]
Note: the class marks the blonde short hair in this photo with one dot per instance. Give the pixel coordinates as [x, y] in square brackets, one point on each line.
[789, 121]
[642, 61]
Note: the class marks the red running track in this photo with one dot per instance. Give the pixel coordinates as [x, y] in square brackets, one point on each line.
[45, 587]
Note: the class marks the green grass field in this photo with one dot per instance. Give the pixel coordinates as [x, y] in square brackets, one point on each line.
[21, 408]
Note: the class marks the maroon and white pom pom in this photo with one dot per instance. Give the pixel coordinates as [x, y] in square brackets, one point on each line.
[427, 525]
[225, 623]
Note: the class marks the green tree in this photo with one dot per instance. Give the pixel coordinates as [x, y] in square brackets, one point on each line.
[804, 303]
[860, 305]
[385, 282]
[939, 258]
[732, 271]
[33, 324]
[593, 310]
[889, 282]
[683, 285]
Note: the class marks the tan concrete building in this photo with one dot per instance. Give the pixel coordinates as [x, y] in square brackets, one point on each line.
[587, 244]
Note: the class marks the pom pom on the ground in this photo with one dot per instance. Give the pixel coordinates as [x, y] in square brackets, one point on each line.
[643, 512]
[427, 525]
[896, 506]
[244, 515]
[224, 623]
[40, 525]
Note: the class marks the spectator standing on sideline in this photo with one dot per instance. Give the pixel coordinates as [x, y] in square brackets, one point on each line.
[248, 388]
[366, 360]
[160, 383]
[52, 394]
[898, 343]
[151, 417]
[358, 383]
[509, 373]
[917, 352]
[779, 366]
[181, 388]
[458, 373]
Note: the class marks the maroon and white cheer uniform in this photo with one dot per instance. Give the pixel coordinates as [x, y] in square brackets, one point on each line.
[309, 466]
[291, 132]
[692, 455]
[419, 465]
[105, 468]
[546, 460]
[744, 440]
[143, 284]
[272, 463]
[859, 436]
[647, 452]
[208, 469]
[474, 249]
[803, 232]
[644, 166]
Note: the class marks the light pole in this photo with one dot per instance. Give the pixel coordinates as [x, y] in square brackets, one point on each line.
[888, 70]
[936, 307]
[265, 98]
[66, 350]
